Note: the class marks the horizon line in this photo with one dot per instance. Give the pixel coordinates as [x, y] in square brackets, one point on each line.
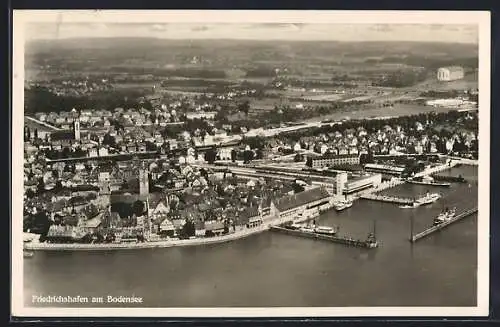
[243, 39]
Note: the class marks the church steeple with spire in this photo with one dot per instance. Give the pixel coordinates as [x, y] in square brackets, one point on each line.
[76, 126]
[143, 180]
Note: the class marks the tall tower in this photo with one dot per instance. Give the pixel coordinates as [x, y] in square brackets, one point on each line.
[341, 180]
[76, 129]
[143, 181]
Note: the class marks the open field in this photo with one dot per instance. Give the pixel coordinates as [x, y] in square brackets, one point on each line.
[135, 85]
[324, 97]
[470, 81]
[236, 58]
[368, 111]
[313, 73]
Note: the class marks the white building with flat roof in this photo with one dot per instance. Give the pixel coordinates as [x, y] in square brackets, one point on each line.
[450, 73]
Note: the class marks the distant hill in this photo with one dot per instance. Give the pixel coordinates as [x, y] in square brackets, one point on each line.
[155, 48]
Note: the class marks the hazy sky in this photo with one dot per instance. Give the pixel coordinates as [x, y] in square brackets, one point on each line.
[258, 31]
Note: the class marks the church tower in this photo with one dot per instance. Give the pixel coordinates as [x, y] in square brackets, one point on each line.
[76, 129]
[143, 181]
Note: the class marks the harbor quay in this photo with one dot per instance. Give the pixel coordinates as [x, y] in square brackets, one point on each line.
[433, 170]
[149, 244]
[259, 221]
[370, 242]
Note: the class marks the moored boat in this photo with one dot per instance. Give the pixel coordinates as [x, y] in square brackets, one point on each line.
[325, 230]
[427, 180]
[444, 216]
[427, 199]
[342, 205]
[371, 241]
[306, 229]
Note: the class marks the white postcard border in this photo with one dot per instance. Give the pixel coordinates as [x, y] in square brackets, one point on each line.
[481, 18]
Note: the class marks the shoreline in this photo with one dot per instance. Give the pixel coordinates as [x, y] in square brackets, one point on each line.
[36, 246]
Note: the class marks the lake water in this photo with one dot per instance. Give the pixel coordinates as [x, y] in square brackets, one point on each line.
[272, 269]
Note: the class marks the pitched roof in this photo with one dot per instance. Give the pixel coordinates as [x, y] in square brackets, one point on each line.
[93, 223]
[214, 225]
[266, 202]
[453, 68]
[155, 199]
[166, 224]
[62, 135]
[77, 200]
[248, 213]
[331, 156]
[126, 198]
[56, 206]
[84, 188]
[300, 199]
[178, 223]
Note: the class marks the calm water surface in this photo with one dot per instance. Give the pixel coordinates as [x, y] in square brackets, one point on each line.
[272, 269]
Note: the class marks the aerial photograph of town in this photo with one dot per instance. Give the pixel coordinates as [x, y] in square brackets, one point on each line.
[250, 165]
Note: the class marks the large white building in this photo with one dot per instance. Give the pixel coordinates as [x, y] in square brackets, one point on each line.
[289, 206]
[346, 184]
[201, 115]
[333, 160]
[361, 183]
[341, 181]
[385, 169]
[450, 73]
[450, 103]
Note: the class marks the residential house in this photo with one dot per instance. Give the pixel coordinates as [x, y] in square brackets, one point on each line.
[214, 228]
[166, 228]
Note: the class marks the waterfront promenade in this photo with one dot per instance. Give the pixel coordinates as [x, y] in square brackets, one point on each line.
[437, 169]
[238, 234]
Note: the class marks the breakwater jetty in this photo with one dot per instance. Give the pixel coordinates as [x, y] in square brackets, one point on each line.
[369, 243]
[443, 225]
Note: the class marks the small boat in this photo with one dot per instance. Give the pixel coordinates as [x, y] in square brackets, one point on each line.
[325, 230]
[407, 206]
[427, 180]
[371, 241]
[342, 205]
[427, 199]
[444, 216]
[439, 219]
[27, 254]
[451, 213]
[306, 229]
[294, 226]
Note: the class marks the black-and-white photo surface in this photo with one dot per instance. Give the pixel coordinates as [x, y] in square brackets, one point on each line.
[250, 163]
